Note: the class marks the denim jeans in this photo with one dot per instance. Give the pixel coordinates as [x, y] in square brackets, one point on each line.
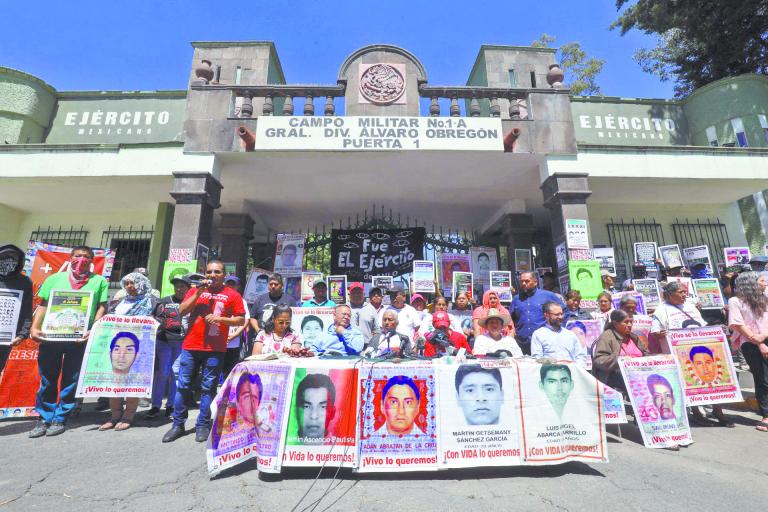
[58, 359]
[165, 354]
[190, 361]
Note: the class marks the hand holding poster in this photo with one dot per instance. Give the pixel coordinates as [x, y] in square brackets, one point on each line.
[10, 309]
[250, 413]
[307, 280]
[585, 277]
[119, 359]
[501, 283]
[337, 289]
[698, 255]
[708, 293]
[736, 256]
[311, 323]
[478, 414]
[646, 253]
[423, 276]
[462, 283]
[450, 263]
[67, 315]
[607, 259]
[706, 367]
[654, 389]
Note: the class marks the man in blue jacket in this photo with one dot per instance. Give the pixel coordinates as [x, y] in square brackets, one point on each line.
[526, 309]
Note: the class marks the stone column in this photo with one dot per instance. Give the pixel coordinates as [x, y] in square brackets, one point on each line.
[236, 231]
[197, 195]
[565, 195]
[517, 231]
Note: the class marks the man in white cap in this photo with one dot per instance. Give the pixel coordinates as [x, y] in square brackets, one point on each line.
[320, 300]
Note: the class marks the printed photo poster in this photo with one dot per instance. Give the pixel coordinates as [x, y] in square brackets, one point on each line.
[173, 270]
[708, 293]
[478, 414]
[657, 397]
[383, 282]
[587, 331]
[250, 415]
[565, 284]
[292, 287]
[706, 366]
[119, 359]
[483, 260]
[646, 253]
[671, 257]
[523, 260]
[561, 414]
[202, 257]
[323, 416]
[67, 315]
[462, 283]
[561, 257]
[10, 309]
[641, 326]
[450, 263]
[337, 289]
[230, 269]
[576, 234]
[638, 297]
[307, 280]
[736, 256]
[696, 255]
[501, 283]
[649, 288]
[613, 406]
[289, 254]
[398, 431]
[607, 259]
[585, 277]
[423, 276]
[311, 323]
[257, 284]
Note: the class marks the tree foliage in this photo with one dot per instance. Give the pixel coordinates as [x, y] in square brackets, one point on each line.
[698, 41]
[580, 70]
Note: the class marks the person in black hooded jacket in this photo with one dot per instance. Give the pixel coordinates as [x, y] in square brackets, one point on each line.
[11, 278]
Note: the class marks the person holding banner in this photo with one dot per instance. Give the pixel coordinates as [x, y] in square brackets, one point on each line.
[495, 342]
[277, 333]
[17, 285]
[674, 313]
[617, 340]
[137, 301]
[60, 361]
[748, 318]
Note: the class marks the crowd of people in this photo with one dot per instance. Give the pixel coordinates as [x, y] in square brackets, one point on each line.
[206, 328]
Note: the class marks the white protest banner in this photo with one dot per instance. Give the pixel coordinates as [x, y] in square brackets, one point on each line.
[501, 283]
[607, 259]
[706, 366]
[576, 235]
[561, 414]
[10, 309]
[697, 255]
[289, 254]
[374, 133]
[671, 256]
[613, 406]
[423, 276]
[649, 288]
[311, 323]
[119, 359]
[478, 414]
[657, 397]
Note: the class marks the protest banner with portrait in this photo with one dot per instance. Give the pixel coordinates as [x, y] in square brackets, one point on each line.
[311, 323]
[523, 260]
[706, 366]
[671, 256]
[292, 287]
[646, 253]
[337, 289]
[576, 234]
[483, 260]
[561, 414]
[708, 293]
[501, 283]
[478, 414]
[641, 326]
[587, 331]
[653, 384]
[561, 257]
[398, 431]
[607, 259]
[613, 406]
[119, 359]
[323, 416]
[67, 315]
[362, 253]
[450, 263]
[307, 280]
[10, 309]
[173, 270]
[258, 283]
[423, 277]
[250, 415]
[736, 256]
[462, 283]
[649, 288]
[585, 277]
[698, 255]
[289, 254]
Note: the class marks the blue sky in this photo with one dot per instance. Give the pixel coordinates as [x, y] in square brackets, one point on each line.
[99, 46]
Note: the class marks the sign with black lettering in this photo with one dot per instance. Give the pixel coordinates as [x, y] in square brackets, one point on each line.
[362, 253]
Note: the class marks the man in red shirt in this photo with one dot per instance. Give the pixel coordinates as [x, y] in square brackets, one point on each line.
[443, 340]
[212, 308]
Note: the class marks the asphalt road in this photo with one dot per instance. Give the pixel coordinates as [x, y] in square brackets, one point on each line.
[87, 470]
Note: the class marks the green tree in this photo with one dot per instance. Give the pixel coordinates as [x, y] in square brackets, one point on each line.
[698, 41]
[580, 70]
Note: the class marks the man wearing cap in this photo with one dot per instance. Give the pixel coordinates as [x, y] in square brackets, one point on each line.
[356, 297]
[553, 341]
[366, 315]
[526, 309]
[608, 281]
[320, 300]
[408, 319]
[444, 340]
[170, 334]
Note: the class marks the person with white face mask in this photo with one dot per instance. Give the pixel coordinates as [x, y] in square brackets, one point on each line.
[11, 279]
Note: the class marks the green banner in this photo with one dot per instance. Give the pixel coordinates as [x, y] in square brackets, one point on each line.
[172, 270]
[585, 277]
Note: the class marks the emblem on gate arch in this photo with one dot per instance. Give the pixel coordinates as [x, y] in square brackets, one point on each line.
[382, 84]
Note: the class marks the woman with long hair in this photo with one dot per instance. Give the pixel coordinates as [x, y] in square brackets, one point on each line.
[277, 333]
[617, 340]
[748, 319]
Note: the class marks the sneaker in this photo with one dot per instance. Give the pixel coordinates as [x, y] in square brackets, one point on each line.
[40, 429]
[55, 429]
[173, 434]
[153, 413]
[201, 434]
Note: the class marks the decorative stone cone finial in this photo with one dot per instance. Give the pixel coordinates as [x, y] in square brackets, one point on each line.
[555, 76]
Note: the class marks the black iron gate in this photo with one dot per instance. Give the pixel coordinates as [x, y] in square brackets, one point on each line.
[131, 246]
[622, 237]
[711, 233]
[69, 237]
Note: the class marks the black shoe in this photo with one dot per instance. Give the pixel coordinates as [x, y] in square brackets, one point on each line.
[153, 413]
[102, 404]
[201, 434]
[55, 429]
[40, 429]
[168, 411]
[173, 434]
